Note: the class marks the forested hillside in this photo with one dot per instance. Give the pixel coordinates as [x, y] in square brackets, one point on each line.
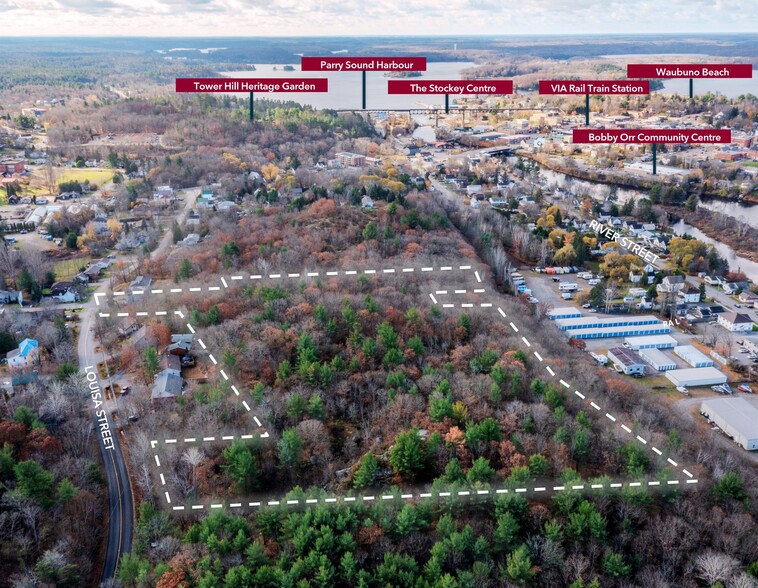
[366, 387]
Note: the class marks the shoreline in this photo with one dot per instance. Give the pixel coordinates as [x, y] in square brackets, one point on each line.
[601, 176]
[732, 240]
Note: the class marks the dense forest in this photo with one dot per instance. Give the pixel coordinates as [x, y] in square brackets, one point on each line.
[365, 387]
[51, 486]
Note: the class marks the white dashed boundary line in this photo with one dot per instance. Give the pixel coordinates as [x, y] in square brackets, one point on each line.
[502, 313]
[399, 496]
[279, 276]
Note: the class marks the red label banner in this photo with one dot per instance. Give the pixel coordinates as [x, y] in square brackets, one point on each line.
[450, 87]
[689, 70]
[252, 85]
[363, 64]
[652, 136]
[594, 87]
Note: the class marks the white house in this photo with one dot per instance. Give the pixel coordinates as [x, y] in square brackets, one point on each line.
[670, 284]
[26, 354]
[688, 295]
[735, 322]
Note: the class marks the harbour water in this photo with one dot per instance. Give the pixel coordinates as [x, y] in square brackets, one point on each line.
[345, 88]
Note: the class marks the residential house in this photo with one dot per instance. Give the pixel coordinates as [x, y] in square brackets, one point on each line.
[730, 288]
[11, 296]
[128, 326]
[163, 192]
[172, 363]
[735, 322]
[474, 190]
[367, 202]
[138, 286]
[688, 295]
[64, 292]
[650, 272]
[26, 354]
[634, 278]
[670, 285]
[167, 386]
[179, 348]
[228, 205]
[191, 240]
[747, 297]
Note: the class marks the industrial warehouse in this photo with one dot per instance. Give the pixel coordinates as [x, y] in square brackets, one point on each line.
[651, 342]
[590, 327]
[736, 417]
[693, 377]
[657, 359]
[692, 356]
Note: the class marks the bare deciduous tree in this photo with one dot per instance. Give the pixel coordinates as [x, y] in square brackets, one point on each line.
[712, 566]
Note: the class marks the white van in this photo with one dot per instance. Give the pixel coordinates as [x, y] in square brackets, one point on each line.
[567, 287]
[594, 282]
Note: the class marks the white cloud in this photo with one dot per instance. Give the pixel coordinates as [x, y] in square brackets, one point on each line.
[367, 17]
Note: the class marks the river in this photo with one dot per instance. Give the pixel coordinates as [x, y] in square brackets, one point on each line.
[345, 87]
[600, 191]
[735, 261]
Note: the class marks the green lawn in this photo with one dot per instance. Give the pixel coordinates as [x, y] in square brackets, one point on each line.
[95, 176]
[67, 269]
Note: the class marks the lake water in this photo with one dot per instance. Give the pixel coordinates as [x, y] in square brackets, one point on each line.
[345, 90]
[730, 87]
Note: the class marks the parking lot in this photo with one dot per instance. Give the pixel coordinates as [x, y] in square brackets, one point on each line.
[545, 288]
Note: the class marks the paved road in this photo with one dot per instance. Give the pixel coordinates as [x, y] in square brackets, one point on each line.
[120, 503]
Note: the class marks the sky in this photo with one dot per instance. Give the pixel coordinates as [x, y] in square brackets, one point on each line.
[248, 18]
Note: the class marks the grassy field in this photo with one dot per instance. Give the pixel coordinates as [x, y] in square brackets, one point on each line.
[67, 269]
[95, 176]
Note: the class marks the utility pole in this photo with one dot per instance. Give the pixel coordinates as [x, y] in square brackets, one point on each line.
[655, 157]
[363, 74]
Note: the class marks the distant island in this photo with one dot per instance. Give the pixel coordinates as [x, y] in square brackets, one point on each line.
[403, 74]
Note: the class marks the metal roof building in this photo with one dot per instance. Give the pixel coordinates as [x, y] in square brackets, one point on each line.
[601, 332]
[629, 361]
[564, 312]
[590, 322]
[737, 417]
[707, 376]
[656, 358]
[692, 356]
[651, 342]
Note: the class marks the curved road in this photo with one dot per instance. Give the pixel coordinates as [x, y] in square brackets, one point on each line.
[120, 501]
